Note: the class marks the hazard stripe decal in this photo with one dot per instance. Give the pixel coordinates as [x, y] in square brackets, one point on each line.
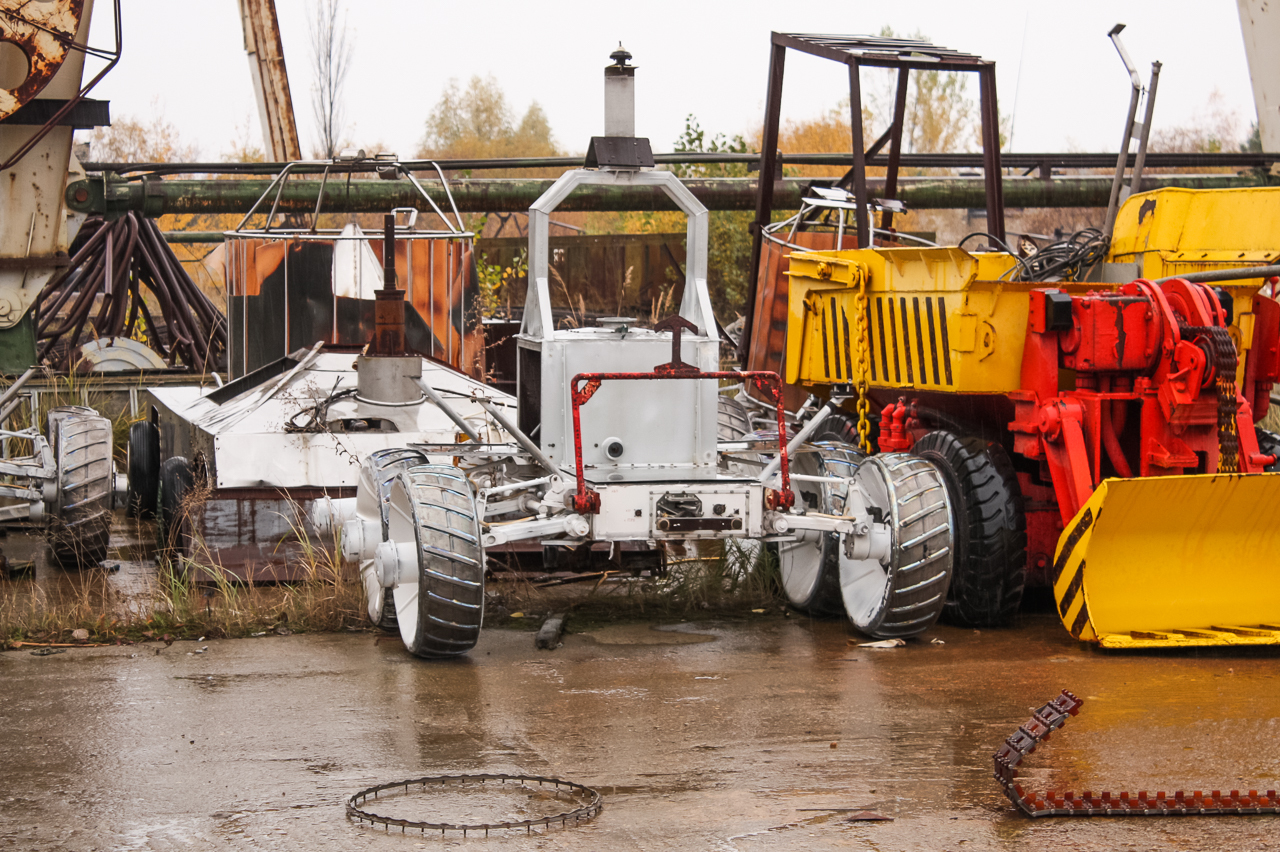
[1077, 532]
[1082, 617]
[1073, 589]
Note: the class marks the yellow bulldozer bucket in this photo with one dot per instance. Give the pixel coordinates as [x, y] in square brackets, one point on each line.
[1173, 561]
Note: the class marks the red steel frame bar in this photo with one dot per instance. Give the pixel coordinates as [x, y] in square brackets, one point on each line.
[584, 385]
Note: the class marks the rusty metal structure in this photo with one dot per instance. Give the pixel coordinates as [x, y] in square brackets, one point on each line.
[293, 282]
[265, 48]
[1051, 717]
[322, 376]
[761, 334]
[114, 188]
[51, 39]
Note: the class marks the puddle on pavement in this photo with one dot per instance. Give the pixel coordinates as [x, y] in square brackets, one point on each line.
[649, 634]
[120, 586]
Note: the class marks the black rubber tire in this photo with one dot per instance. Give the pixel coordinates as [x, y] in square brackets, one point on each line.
[1269, 444]
[903, 595]
[810, 571]
[842, 427]
[990, 569]
[732, 419]
[433, 506]
[377, 471]
[143, 470]
[80, 525]
[173, 522]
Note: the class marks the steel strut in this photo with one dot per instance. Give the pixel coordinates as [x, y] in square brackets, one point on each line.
[1053, 716]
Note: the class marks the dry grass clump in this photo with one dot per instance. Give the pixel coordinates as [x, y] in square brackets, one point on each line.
[190, 596]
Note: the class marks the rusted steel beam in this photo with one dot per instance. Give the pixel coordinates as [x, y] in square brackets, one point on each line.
[270, 78]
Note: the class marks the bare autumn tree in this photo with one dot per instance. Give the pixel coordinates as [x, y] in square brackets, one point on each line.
[331, 60]
[133, 140]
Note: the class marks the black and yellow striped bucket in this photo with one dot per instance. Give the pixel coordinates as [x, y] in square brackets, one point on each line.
[1173, 560]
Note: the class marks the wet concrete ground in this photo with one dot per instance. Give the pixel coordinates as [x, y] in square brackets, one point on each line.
[721, 736]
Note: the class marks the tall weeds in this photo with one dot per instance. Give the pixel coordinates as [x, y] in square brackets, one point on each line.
[189, 596]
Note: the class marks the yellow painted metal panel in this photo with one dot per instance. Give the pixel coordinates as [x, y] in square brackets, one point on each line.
[1173, 560]
[1176, 220]
[937, 319]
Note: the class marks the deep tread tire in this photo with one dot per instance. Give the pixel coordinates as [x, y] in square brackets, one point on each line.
[80, 525]
[173, 522]
[434, 507]
[991, 528]
[810, 567]
[904, 596]
[1269, 444]
[732, 420]
[839, 427]
[378, 470]
[143, 470]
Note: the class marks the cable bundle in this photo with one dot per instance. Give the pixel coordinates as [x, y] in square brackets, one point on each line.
[1066, 260]
[111, 265]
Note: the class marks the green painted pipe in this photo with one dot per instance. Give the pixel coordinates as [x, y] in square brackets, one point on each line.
[113, 196]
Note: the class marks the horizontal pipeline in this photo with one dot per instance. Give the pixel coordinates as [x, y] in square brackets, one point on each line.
[1019, 160]
[155, 197]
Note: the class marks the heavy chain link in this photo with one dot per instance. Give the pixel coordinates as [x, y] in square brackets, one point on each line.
[1053, 716]
[862, 345]
[1225, 362]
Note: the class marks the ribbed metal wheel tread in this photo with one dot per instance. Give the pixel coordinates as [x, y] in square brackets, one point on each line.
[920, 570]
[451, 586]
[824, 598]
[1269, 444]
[732, 419]
[80, 529]
[384, 466]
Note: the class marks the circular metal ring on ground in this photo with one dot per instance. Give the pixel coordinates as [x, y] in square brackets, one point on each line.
[592, 803]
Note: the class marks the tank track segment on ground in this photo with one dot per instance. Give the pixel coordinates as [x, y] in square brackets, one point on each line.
[1053, 716]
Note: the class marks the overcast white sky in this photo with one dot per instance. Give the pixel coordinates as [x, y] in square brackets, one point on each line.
[1057, 72]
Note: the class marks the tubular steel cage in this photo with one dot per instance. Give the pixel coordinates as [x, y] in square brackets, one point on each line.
[289, 287]
[285, 291]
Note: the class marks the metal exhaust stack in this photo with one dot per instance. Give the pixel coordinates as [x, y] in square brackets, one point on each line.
[385, 373]
[388, 316]
[619, 149]
[620, 95]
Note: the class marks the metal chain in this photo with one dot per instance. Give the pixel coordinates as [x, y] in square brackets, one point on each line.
[863, 345]
[590, 803]
[1053, 716]
[1225, 362]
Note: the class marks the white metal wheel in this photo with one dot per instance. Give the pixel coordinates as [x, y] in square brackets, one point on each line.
[732, 419]
[377, 471]
[439, 591]
[80, 523]
[809, 565]
[904, 595]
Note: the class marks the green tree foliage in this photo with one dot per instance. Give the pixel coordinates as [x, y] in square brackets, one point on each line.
[477, 122]
[728, 239]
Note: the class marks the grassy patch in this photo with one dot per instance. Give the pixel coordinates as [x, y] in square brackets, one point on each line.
[188, 597]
